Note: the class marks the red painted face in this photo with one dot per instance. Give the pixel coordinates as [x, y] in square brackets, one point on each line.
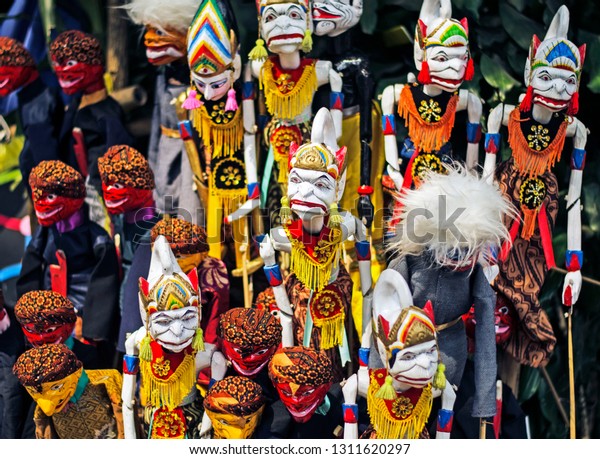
[51, 208]
[505, 318]
[13, 78]
[120, 199]
[247, 363]
[303, 401]
[74, 77]
[38, 334]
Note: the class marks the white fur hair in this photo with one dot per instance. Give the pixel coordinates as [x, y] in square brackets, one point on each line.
[479, 226]
[172, 14]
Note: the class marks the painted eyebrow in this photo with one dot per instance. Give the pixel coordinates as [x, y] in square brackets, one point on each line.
[294, 7]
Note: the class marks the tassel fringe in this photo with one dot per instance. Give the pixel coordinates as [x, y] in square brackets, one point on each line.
[145, 349]
[427, 137]
[386, 391]
[285, 213]
[424, 76]
[192, 102]
[169, 392]
[307, 42]
[439, 379]
[198, 341]
[529, 219]
[259, 52]
[470, 70]
[225, 139]
[527, 101]
[335, 218]
[231, 104]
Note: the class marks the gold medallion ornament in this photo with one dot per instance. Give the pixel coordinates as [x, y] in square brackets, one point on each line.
[531, 196]
[327, 312]
[423, 164]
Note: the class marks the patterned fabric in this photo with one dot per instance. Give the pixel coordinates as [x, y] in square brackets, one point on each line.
[236, 395]
[77, 45]
[44, 307]
[248, 328]
[50, 362]
[266, 300]
[184, 237]
[300, 365]
[14, 54]
[125, 165]
[58, 178]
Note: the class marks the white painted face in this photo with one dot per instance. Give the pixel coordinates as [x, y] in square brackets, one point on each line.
[334, 17]
[174, 330]
[447, 66]
[215, 87]
[414, 366]
[310, 192]
[553, 87]
[283, 27]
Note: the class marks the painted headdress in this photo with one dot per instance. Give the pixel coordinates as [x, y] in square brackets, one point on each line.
[259, 52]
[154, 12]
[235, 395]
[300, 365]
[127, 166]
[45, 307]
[554, 51]
[56, 177]
[436, 27]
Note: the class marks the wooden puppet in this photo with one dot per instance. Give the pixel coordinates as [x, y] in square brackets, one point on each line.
[288, 82]
[168, 351]
[313, 229]
[165, 41]
[443, 59]
[69, 253]
[400, 393]
[40, 108]
[72, 402]
[537, 129]
[449, 225]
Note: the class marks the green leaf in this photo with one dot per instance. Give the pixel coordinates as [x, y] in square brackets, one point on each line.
[368, 21]
[496, 75]
[519, 27]
[591, 198]
[530, 380]
[472, 6]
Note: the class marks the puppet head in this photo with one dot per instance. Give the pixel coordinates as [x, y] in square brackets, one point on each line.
[553, 68]
[249, 338]
[404, 334]
[474, 208]
[234, 406]
[505, 320]
[316, 177]
[187, 241]
[17, 67]
[46, 317]
[213, 52]
[58, 191]
[170, 302]
[441, 49]
[334, 17]
[284, 25]
[302, 377]
[166, 28]
[127, 180]
[266, 301]
[50, 374]
[78, 62]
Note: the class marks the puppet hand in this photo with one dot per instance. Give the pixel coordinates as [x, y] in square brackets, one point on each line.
[243, 210]
[350, 389]
[218, 366]
[396, 177]
[205, 426]
[267, 251]
[363, 381]
[365, 210]
[4, 321]
[490, 272]
[571, 288]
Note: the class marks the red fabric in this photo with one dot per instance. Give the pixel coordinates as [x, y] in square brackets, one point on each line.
[514, 231]
[294, 73]
[10, 223]
[470, 71]
[546, 236]
[413, 394]
[175, 359]
[309, 240]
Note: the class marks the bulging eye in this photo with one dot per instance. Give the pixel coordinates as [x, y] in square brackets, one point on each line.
[51, 329]
[572, 80]
[545, 77]
[440, 58]
[224, 422]
[309, 391]
[71, 63]
[118, 186]
[51, 197]
[295, 15]
[503, 310]
[262, 352]
[270, 17]
[286, 393]
[160, 33]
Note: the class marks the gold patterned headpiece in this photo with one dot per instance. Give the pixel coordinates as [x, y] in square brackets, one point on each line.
[413, 326]
[169, 293]
[260, 4]
[317, 157]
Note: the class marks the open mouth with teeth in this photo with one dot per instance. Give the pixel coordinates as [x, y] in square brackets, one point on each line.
[445, 81]
[250, 368]
[50, 213]
[158, 53]
[301, 410]
[117, 203]
[286, 37]
[69, 82]
[4, 82]
[322, 14]
[554, 104]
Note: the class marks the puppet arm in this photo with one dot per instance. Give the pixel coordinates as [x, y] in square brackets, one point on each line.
[131, 366]
[574, 255]
[446, 413]
[218, 369]
[350, 408]
[363, 357]
[327, 74]
[275, 278]
[474, 107]
[498, 116]
[389, 97]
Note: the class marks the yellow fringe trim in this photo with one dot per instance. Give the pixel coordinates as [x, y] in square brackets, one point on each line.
[226, 138]
[332, 330]
[388, 427]
[313, 274]
[294, 102]
[528, 161]
[427, 137]
[170, 392]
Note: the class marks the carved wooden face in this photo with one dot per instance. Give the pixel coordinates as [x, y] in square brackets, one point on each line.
[310, 192]
[414, 366]
[447, 66]
[164, 46]
[553, 87]
[283, 26]
[215, 87]
[334, 17]
[174, 330]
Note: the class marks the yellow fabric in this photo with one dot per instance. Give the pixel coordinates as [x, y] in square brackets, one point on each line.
[170, 392]
[351, 139]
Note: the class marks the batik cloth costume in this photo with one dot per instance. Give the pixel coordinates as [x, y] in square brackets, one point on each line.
[40, 108]
[188, 243]
[234, 405]
[86, 405]
[47, 317]
[165, 42]
[92, 110]
[88, 273]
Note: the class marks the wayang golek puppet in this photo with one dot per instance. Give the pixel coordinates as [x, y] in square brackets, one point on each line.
[72, 402]
[313, 230]
[462, 216]
[288, 82]
[537, 129]
[443, 59]
[69, 253]
[400, 394]
[165, 31]
[40, 108]
[168, 351]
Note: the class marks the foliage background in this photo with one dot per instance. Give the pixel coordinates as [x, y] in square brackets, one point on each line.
[500, 34]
